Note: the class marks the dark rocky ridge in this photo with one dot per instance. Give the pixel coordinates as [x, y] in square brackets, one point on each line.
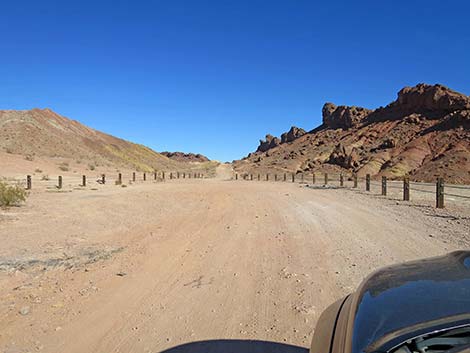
[185, 157]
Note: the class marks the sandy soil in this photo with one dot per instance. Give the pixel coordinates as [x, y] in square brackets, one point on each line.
[151, 267]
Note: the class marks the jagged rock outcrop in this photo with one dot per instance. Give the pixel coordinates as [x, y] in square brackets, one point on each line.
[270, 142]
[294, 133]
[273, 141]
[343, 117]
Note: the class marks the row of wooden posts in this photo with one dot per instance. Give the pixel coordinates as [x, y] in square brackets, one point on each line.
[406, 184]
[326, 180]
[102, 179]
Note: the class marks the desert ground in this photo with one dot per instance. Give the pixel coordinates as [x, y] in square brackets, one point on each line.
[245, 266]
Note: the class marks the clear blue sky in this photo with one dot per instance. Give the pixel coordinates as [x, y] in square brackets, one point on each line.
[215, 76]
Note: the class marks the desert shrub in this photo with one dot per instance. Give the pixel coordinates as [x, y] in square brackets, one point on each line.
[45, 177]
[8, 150]
[37, 170]
[11, 195]
[29, 157]
[91, 167]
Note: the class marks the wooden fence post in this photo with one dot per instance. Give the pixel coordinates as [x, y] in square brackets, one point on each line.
[251, 176]
[28, 182]
[341, 180]
[326, 178]
[267, 176]
[440, 193]
[313, 178]
[302, 177]
[119, 179]
[59, 182]
[177, 175]
[285, 177]
[384, 186]
[83, 180]
[406, 189]
[145, 176]
[293, 177]
[133, 176]
[103, 179]
[259, 177]
[355, 181]
[367, 182]
[195, 176]
[275, 177]
[163, 175]
[154, 175]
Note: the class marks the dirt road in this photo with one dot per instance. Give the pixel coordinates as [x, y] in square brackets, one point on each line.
[149, 268]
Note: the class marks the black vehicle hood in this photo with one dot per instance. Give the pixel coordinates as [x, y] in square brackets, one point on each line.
[417, 295]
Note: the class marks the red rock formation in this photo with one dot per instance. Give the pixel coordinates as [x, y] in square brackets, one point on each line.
[425, 133]
[342, 117]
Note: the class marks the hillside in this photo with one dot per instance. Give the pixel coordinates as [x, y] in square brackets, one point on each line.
[424, 133]
[40, 133]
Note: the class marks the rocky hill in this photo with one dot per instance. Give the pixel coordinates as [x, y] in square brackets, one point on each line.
[185, 157]
[43, 133]
[424, 133]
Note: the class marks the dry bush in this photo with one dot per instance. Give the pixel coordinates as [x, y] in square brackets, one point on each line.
[11, 195]
[29, 157]
[45, 177]
[37, 170]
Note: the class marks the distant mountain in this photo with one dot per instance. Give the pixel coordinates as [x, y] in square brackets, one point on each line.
[185, 157]
[41, 132]
[425, 133]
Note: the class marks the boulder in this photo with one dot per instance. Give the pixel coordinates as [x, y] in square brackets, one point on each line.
[342, 158]
[388, 143]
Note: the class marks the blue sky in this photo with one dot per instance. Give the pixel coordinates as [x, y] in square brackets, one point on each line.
[215, 76]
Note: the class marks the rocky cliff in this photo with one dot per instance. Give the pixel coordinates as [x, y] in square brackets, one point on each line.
[424, 133]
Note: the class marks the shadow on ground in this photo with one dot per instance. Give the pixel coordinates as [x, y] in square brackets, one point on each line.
[235, 346]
